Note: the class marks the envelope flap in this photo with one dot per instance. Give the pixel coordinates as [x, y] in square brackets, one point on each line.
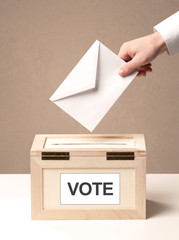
[86, 69]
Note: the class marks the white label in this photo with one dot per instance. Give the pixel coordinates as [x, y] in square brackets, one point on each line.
[90, 188]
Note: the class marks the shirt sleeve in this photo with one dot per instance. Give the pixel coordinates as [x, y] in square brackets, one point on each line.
[169, 30]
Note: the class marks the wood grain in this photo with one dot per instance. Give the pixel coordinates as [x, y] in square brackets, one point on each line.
[45, 185]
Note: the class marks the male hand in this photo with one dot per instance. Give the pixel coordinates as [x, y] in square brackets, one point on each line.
[139, 54]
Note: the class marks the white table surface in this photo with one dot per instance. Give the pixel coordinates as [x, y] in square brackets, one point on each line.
[162, 215]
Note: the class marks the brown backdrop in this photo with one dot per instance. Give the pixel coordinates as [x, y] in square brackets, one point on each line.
[42, 40]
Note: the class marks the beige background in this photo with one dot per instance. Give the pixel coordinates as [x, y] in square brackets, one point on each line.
[42, 40]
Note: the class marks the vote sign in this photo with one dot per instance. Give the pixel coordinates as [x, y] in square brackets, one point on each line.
[89, 188]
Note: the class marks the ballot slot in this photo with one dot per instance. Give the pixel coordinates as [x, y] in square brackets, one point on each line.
[88, 143]
[55, 156]
[120, 156]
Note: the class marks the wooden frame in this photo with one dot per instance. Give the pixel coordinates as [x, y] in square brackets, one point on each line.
[81, 160]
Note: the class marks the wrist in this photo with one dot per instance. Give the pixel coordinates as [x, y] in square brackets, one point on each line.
[159, 41]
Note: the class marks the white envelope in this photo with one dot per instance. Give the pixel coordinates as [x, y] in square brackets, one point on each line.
[93, 86]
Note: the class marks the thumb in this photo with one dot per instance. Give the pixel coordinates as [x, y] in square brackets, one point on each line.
[128, 67]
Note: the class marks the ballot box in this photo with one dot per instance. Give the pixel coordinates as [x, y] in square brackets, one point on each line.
[91, 176]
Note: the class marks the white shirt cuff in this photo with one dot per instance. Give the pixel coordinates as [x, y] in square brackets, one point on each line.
[169, 30]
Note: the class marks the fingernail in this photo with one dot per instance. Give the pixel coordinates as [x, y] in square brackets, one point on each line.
[121, 72]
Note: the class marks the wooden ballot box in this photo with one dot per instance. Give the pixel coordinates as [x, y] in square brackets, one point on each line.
[88, 177]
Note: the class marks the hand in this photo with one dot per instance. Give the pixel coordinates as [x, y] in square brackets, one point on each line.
[139, 54]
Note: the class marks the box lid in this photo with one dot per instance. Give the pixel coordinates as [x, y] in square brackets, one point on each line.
[89, 142]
